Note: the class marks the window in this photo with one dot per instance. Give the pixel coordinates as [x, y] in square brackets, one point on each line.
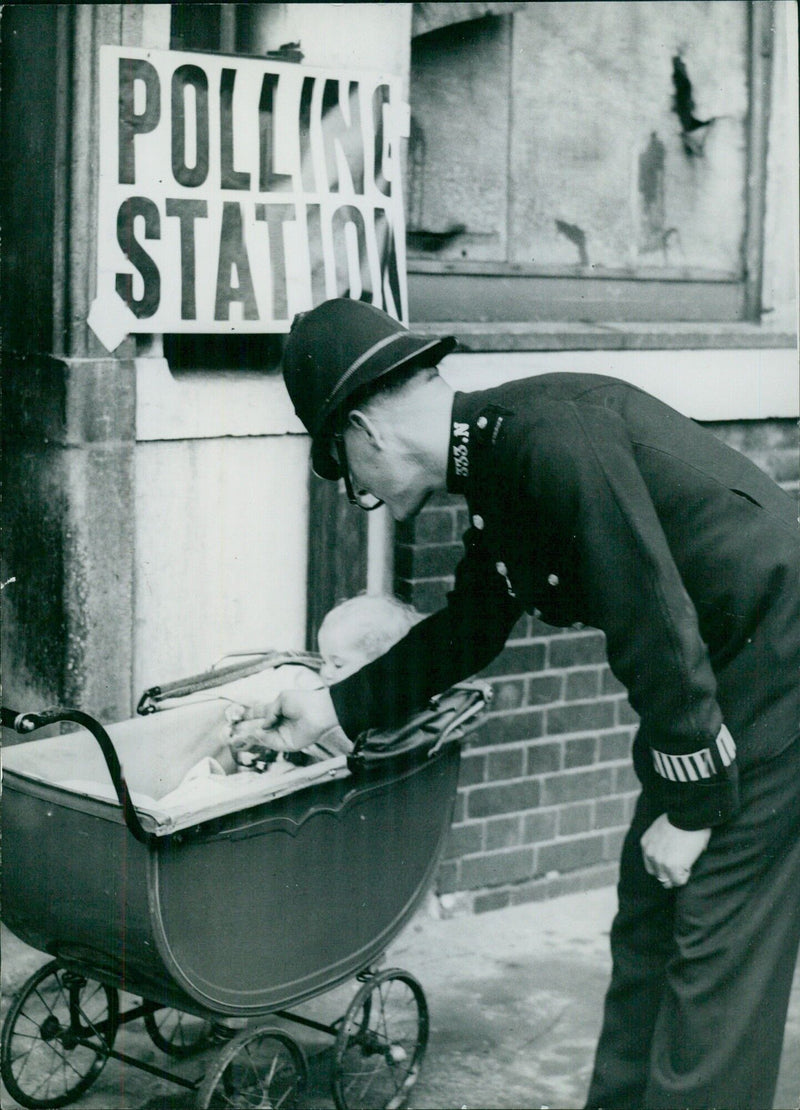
[583, 161]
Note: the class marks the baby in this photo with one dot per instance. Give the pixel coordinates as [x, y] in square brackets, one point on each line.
[359, 630]
[351, 635]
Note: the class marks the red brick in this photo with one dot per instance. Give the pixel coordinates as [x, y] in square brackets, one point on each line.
[580, 753]
[589, 878]
[544, 689]
[613, 843]
[615, 745]
[624, 779]
[626, 715]
[446, 881]
[579, 649]
[522, 629]
[568, 855]
[582, 684]
[508, 694]
[610, 811]
[575, 786]
[575, 819]
[472, 769]
[463, 840]
[431, 526]
[580, 717]
[507, 763]
[585, 878]
[538, 826]
[427, 561]
[494, 900]
[611, 684]
[544, 758]
[517, 658]
[504, 832]
[428, 595]
[497, 868]
[538, 890]
[783, 468]
[442, 499]
[511, 797]
[506, 728]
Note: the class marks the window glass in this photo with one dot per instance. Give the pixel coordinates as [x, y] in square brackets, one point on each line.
[587, 136]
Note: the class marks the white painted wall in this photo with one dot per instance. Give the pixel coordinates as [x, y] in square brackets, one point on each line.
[730, 384]
[221, 551]
[221, 468]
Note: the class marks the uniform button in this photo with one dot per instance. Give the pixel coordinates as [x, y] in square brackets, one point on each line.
[481, 422]
[536, 614]
[552, 579]
[577, 625]
[502, 569]
[477, 522]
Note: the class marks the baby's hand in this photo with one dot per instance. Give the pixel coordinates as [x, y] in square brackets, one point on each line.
[233, 715]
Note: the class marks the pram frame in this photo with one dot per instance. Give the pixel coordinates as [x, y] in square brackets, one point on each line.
[370, 779]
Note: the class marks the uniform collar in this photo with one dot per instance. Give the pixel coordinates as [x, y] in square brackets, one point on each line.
[473, 426]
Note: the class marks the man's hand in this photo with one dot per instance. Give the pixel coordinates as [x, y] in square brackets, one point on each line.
[296, 719]
[670, 853]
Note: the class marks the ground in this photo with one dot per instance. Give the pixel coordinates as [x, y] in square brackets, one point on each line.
[515, 999]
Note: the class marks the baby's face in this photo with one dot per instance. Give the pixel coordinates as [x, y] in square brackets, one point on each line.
[340, 646]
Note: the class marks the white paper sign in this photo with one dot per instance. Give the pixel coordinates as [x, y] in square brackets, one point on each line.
[235, 192]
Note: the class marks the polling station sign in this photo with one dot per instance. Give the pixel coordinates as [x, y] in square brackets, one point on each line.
[235, 192]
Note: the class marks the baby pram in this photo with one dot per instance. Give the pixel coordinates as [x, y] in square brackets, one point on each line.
[238, 908]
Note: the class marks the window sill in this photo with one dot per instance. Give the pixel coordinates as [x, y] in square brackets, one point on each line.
[563, 336]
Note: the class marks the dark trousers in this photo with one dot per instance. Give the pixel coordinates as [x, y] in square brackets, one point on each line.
[695, 1013]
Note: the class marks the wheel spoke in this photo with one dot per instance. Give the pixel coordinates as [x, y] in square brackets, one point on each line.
[45, 1003]
[52, 1045]
[380, 1043]
[258, 1068]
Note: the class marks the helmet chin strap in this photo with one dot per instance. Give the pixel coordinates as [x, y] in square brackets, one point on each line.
[344, 466]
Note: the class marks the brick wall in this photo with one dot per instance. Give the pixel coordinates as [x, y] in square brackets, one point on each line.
[546, 788]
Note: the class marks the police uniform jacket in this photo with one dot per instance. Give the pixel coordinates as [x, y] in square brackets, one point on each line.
[591, 501]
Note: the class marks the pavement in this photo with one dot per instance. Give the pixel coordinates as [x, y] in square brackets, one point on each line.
[515, 999]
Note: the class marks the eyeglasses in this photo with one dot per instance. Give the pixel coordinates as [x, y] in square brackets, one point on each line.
[362, 499]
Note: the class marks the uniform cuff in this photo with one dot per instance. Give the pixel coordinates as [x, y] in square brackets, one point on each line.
[703, 805]
[699, 789]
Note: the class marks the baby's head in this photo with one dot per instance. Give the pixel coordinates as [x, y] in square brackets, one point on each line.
[359, 630]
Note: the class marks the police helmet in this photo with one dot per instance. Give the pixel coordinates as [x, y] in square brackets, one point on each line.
[337, 348]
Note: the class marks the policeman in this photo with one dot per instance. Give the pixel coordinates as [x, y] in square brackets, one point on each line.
[591, 501]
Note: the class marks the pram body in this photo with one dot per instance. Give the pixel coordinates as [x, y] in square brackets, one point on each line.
[231, 911]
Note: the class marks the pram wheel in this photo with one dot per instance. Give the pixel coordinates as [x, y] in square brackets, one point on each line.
[380, 1043]
[262, 1068]
[56, 1036]
[176, 1033]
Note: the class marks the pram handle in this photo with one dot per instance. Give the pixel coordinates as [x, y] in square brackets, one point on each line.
[217, 675]
[29, 722]
[371, 753]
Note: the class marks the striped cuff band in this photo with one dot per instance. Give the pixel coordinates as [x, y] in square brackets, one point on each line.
[693, 766]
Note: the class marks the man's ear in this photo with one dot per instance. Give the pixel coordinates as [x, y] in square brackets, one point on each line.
[364, 423]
